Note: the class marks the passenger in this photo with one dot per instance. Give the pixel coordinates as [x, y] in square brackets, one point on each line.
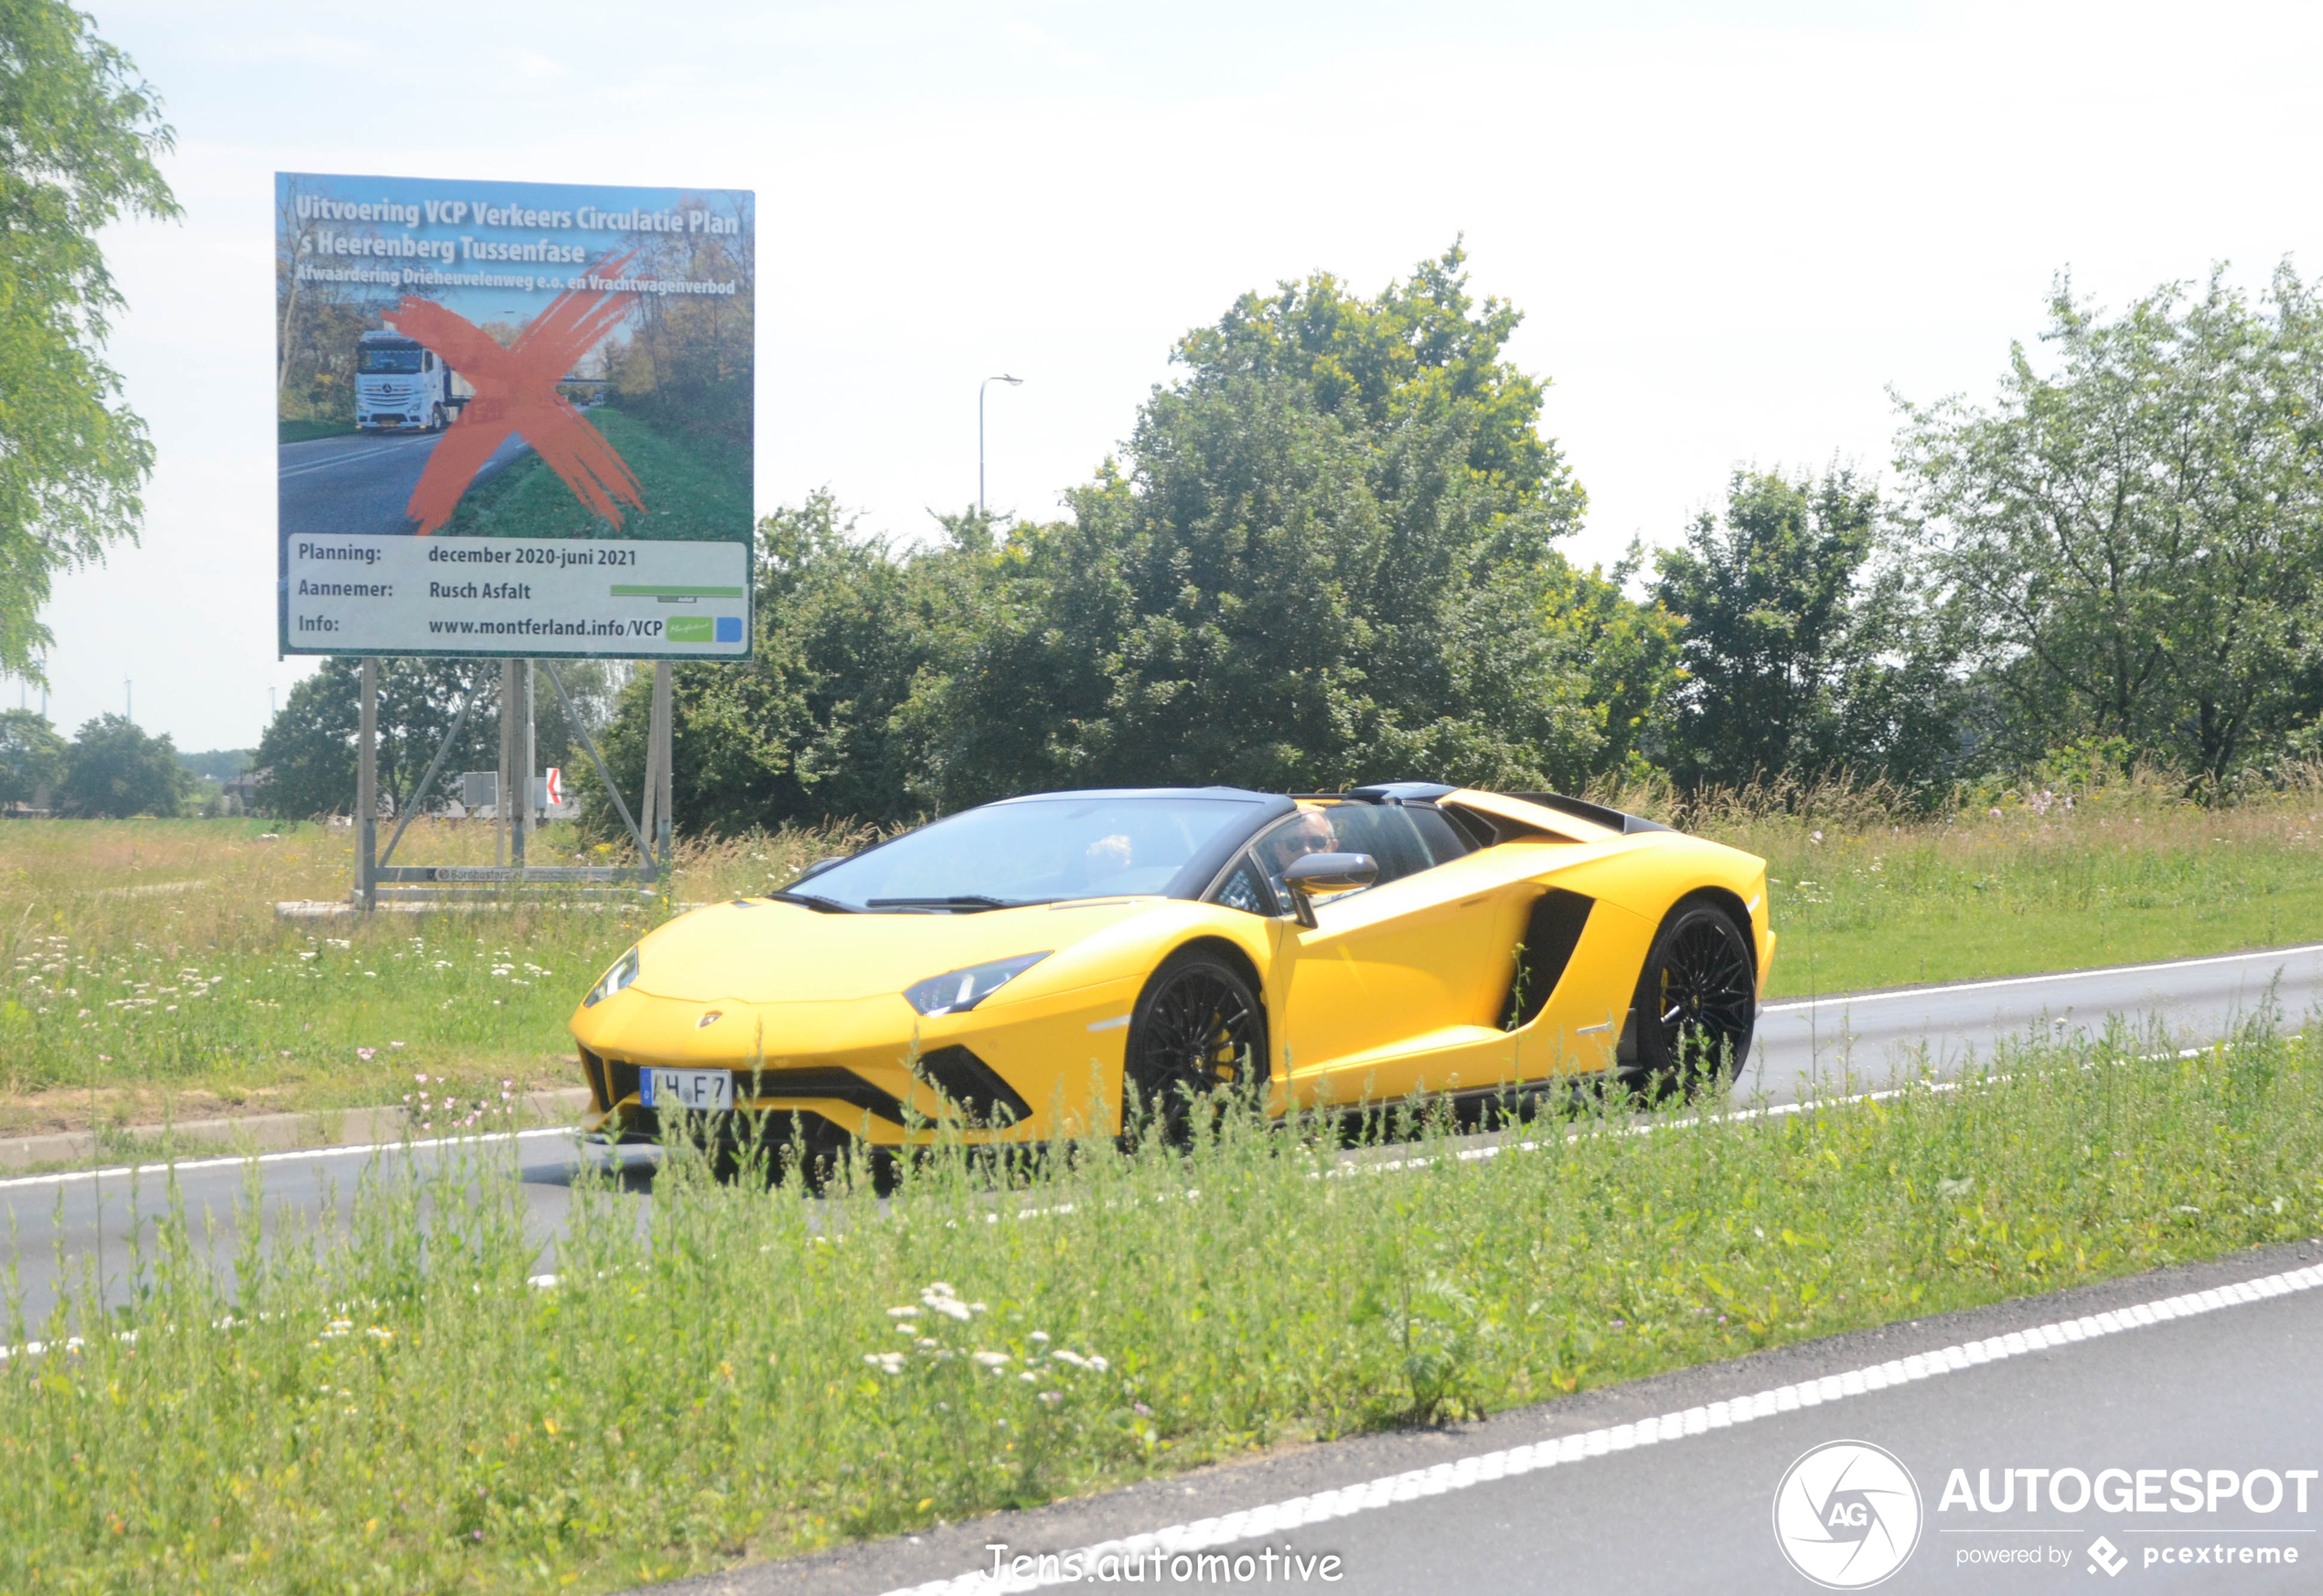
[1108, 856]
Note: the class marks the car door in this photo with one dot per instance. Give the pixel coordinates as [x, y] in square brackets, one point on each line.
[1408, 964]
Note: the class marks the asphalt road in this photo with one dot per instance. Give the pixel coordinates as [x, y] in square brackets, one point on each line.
[1671, 1485]
[1854, 1039]
[362, 482]
[1864, 1038]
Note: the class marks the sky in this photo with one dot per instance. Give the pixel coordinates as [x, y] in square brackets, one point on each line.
[1739, 233]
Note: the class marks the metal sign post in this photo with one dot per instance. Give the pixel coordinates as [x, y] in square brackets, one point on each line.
[367, 784]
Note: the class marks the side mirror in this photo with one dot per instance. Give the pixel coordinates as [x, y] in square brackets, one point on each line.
[1320, 874]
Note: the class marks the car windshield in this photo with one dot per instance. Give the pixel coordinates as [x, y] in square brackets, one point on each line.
[1034, 851]
[376, 362]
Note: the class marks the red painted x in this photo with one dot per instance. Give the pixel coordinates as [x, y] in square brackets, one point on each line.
[516, 392]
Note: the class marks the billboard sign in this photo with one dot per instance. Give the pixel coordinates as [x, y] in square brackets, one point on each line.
[513, 418]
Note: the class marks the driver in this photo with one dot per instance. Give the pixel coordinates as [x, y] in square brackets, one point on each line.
[1310, 832]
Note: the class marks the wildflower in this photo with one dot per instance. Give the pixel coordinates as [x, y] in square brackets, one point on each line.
[366, 1054]
[1040, 1335]
[885, 1362]
[421, 1078]
[991, 1360]
[906, 1313]
[1052, 1397]
[1140, 1409]
[939, 1298]
[395, 1044]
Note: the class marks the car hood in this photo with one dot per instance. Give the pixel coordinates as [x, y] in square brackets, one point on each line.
[764, 952]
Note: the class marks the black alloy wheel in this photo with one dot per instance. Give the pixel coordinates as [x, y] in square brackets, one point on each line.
[1197, 1035]
[1696, 1001]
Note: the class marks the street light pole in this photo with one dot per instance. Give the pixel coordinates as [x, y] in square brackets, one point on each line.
[1013, 382]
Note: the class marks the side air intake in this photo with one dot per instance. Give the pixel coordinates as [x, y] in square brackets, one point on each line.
[1551, 933]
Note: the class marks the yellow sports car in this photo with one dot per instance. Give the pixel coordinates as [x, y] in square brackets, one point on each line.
[1032, 968]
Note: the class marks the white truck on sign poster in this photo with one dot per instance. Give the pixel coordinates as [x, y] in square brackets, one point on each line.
[401, 386]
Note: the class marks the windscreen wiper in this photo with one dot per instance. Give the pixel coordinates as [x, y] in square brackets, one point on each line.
[969, 902]
[821, 905]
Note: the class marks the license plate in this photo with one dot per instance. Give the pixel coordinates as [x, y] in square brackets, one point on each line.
[700, 1089]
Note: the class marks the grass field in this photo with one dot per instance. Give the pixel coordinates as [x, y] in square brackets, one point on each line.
[2123, 876]
[737, 1373]
[147, 975]
[145, 972]
[300, 432]
[693, 487]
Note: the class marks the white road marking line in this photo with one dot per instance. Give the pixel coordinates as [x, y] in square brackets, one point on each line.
[291, 1155]
[350, 458]
[1849, 999]
[1253, 1523]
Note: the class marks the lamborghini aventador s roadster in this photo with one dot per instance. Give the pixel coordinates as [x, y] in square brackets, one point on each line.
[1029, 969]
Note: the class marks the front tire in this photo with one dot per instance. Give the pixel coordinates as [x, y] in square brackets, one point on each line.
[436, 418]
[1696, 1001]
[1197, 1035]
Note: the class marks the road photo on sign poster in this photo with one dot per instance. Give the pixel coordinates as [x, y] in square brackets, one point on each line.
[513, 418]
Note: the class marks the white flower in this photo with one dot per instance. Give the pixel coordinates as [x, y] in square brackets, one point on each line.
[939, 1297]
[885, 1362]
[991, 1360]
[904, 1313]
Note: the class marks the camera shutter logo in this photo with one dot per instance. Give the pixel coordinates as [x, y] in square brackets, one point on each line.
[1847, 1515]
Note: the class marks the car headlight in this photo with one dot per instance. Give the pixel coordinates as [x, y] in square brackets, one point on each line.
[624, 971]
[959, 991]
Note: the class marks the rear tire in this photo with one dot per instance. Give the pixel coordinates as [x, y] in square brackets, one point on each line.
[1198, 1038]
[1696, 1002]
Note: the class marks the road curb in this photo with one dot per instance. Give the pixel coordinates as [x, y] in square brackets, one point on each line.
[145, 1144]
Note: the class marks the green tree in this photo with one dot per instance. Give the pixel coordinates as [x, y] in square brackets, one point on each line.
[32, 757]
[114, 770]
[308, 756]
[2131, 538]
[1329, 555]
[79, 136]
[1771, 633]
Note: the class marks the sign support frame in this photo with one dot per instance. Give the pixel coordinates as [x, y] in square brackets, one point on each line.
[451, 882]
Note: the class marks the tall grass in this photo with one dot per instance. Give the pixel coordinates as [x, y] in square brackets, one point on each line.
[744, 1372]
[143, 970]
[1866, 890]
